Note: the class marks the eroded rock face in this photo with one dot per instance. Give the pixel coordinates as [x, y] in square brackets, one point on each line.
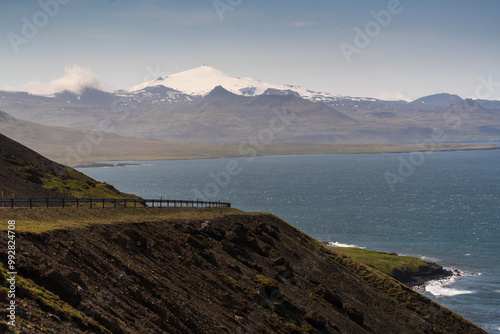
[59, 284]
[237, 274]
[424, 274]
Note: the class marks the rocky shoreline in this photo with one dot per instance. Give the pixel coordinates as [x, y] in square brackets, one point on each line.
[224, 273]
[412, 278]
[432, 272]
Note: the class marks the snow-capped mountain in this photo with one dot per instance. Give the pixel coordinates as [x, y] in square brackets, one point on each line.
[205, 105]
[200, 81]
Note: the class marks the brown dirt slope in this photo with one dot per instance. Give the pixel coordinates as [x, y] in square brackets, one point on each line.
[240, 273]
[27, 174]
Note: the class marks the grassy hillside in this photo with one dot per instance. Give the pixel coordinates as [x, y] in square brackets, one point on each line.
[409, 270]
[45, 220]
[385, 262]
[26, 174]
[204, 271]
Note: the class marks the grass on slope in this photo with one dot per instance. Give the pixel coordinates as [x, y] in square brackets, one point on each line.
[40, 220]
[385, 262]
[77, 185]
[48, 301]
[412, 300]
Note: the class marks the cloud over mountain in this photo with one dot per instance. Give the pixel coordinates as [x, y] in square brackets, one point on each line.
[75, 79]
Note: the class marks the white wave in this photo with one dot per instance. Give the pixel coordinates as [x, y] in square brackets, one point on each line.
[429, 259]
[338, 244]
[440, 288]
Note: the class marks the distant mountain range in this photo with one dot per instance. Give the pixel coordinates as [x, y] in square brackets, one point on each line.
[204, 105]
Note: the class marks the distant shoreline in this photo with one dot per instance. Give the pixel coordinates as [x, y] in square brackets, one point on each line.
[104, 164]
[224, 151]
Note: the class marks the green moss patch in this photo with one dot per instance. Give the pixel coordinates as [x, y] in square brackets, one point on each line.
[40, 220]
[385, 262]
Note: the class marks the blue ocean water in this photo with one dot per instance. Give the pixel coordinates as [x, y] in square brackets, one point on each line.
[442, 206]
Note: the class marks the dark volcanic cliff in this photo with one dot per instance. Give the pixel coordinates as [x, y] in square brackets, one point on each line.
[235, 273]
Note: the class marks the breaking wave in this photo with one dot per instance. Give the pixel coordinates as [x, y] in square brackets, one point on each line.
[338, 244]
[442, 287]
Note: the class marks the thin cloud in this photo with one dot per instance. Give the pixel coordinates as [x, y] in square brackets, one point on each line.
[75, 79]
[302, 24]
[168, 16]
[393, 96]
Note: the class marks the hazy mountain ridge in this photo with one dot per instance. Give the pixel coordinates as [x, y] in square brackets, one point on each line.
[205, 105]
[438, 100]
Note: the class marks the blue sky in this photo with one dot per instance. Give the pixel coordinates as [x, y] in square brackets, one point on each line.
[421, 48]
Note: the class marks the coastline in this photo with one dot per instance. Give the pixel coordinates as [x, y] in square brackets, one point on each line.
[104, 164]
[224, 151]
[419, 279]
[441, 286]
[413, 272]
[254, 264]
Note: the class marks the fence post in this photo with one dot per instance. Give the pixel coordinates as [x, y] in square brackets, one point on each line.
[31, 203]
[125, 203]
[12, 202]
[115, 202]
[62, 200]
[47, 203]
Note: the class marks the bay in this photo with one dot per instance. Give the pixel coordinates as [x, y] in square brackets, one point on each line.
[441, 206]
